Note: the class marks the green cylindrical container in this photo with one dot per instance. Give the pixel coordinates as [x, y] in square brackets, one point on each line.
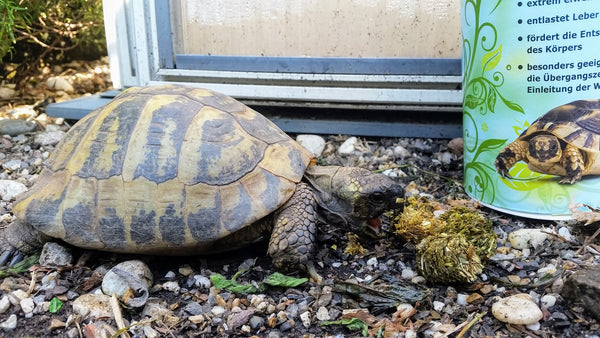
[520, 60]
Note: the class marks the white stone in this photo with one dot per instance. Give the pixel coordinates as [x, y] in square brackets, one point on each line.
[372, 262]
[305, 318]
[519, 309]
[217, 310]
[201, 282]
[93, 306]
[59, 83]
[9, 189]
[407, 273]
[27, 305]
[348, 147]
[10, 323]
[547, 301]
[461, 299]
[565, 233]
[323, 314]
[313, 143]
[4, 304]
[438, 306]
[17, 296]
[6, 93]
[401, 152]
[172, 286]
[527, 238]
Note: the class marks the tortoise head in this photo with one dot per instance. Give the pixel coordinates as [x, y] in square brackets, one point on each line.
[352, 196]
[544, 149]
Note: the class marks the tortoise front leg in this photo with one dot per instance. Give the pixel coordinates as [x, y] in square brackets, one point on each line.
[513, 153]
[574, 164]
[292, 243]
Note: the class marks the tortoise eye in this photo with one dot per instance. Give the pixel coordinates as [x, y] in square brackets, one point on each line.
[377, 197]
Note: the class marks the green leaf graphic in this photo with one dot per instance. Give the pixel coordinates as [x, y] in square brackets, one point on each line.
[523, 179]
[491, 100]
[491, 59]
[489, 144]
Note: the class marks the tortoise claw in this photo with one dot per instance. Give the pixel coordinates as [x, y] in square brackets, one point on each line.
[6, 254]
[16, 258]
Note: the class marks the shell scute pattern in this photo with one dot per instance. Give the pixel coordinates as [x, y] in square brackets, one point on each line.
[577, 123]
[163, 169]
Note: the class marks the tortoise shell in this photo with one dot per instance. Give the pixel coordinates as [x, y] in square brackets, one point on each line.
[577, 123]
[167, 169]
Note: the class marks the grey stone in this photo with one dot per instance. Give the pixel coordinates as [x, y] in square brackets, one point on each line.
[54, 254]
[49, 138]
[584, 287]
[256, 322]
[193, 308]
[15, 127]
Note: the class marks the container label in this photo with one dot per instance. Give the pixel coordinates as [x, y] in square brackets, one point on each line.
[522, 59]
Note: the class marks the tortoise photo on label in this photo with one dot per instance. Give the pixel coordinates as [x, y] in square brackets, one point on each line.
[184, 171]
[564, 142]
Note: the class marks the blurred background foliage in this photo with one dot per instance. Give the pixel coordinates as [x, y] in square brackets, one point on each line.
[38, 33]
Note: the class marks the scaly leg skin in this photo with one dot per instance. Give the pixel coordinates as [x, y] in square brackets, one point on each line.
[292, 243]
[18, 240]
[573, 162]
[513, 153]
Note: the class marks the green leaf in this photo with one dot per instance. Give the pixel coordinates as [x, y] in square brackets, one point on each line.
[353, 324]
[221, 282]
[277, 279]
[22, 266]
[55, 305]
[491, 59]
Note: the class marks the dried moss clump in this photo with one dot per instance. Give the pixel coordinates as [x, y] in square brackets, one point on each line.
[417, 221]
[452, 248]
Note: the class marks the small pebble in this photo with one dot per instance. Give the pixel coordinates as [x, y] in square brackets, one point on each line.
[10, 323]
[305, 318]
[4, 304]
[547, 301]
[322, 314]
[527, 238]
[172, 286]
[518, 309]
[348, 147]
[201, 282]
[27, 305]
[313, 143]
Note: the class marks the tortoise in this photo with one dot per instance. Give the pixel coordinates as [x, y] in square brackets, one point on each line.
[179, 170]
[565, 141]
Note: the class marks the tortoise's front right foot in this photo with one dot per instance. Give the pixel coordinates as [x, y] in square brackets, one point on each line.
[292, 243]
[510, 155]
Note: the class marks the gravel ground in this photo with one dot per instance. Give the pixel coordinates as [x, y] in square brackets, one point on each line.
[183, 301]
[372, 289]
